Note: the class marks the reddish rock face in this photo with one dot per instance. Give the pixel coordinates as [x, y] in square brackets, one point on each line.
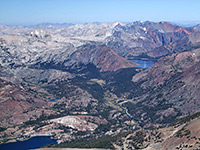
[102, 56]
[187, 43]
[16, 103]
[137, 38]
[110, 61]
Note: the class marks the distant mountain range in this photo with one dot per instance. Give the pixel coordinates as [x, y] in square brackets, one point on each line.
[75, 81]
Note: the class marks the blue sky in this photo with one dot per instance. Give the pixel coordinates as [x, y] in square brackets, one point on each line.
[16, 12]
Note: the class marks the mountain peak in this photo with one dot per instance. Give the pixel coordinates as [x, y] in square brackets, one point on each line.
[117, 23]
[102, 56]
[39, 33]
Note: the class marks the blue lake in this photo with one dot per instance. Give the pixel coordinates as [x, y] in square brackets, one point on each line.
[54, 100]
[143, 63]
[46, 87]
[32, 143]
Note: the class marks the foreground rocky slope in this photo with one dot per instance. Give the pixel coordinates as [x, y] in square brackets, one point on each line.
[182, 134]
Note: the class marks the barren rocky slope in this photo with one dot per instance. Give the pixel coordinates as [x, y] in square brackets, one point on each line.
[184, 135]
[170, 88]
[41, 50]
[186, 43]
[102, 56]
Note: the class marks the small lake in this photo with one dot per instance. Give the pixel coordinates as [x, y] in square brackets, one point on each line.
[143, 63]
[32, 143]
[54, 100]
[46, 87]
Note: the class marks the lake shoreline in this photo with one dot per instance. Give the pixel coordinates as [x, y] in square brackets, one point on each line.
[33, 142]
[143, 63]
[17, 139]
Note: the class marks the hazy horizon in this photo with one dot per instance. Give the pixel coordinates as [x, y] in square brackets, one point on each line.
[31, 12]
[184, 24]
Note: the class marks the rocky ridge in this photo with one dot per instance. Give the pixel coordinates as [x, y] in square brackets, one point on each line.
[187, 43]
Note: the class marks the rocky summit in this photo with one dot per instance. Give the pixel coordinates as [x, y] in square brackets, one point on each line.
[79, 84]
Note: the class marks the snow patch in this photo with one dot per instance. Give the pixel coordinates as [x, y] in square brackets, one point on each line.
[161, 31]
